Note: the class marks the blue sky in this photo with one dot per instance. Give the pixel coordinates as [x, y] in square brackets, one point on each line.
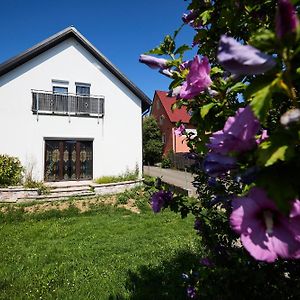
[121, 30]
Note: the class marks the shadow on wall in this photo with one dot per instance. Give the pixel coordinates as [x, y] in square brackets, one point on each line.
[160, 282]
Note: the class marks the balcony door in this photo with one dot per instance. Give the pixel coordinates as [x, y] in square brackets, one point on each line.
[68, 160]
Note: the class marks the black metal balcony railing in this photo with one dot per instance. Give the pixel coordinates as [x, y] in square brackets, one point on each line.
[67, 104]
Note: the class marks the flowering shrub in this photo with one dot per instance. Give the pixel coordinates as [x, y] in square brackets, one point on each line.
[242, 89]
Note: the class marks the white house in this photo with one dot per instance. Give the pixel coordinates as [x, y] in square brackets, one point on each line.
[68, 113]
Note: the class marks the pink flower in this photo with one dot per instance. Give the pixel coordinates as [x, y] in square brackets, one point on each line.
[160, 199]
[265, 232]
[238, 134]
[197, 79]
[286, 18]
[242, 59]
[179, 131]
[215, 164]
[264, 136]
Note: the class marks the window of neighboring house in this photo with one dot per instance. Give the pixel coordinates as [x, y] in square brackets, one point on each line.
[158, 105]
[163, 138]
[60, 90]
[161, 120]
[83, 89]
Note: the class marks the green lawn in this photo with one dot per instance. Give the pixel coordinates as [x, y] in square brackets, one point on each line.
[106, 253]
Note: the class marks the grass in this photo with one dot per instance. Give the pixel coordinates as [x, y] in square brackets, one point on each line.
[127, 176]
[105, 253]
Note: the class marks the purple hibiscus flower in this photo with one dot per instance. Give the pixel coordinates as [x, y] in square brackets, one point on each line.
[198, 225]
[249, 175]
[175, 92]
[264, 136]
[179, 131]
[286, 18]
[238, 134]
[242, 59]
[160, 199]
[166, 72]
[216, 164]
[153, 62]
[291, 116]
[191, 292]
[197, 79]
[205, 261]
[295, 221]
[265, 232]
[185, 65]
[191, 19]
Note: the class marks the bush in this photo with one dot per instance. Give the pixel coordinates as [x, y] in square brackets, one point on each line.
[10, 170]
[166, 162]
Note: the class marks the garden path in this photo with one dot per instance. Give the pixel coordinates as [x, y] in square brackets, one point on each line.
[177, 178]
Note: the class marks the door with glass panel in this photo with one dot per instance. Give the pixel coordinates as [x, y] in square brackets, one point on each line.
[68, 160]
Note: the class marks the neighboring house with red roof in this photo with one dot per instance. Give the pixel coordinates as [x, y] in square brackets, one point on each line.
[166, 119]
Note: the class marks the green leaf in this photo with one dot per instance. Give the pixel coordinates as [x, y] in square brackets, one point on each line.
[182, 49]
[168, 45]
[204, 110]
[269, 155]
[260, 93]
[238, 87]
[216, 70]
[261, 103]
[279, 187]
[157, 50]
[205, 16]
[175, 105]
[263, 39]
[278, 147]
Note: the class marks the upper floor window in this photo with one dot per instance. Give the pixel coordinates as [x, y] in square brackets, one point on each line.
[60, 90]
[161, 120]
[83, 89]
[158, 105]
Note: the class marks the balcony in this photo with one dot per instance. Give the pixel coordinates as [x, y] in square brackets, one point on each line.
[67, 104]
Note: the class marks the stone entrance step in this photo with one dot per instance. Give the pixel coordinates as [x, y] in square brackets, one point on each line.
[67, 189]
[60, 196]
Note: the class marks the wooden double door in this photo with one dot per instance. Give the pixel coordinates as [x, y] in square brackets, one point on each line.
[68, 160]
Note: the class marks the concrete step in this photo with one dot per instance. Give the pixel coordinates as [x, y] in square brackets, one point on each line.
[70, 189]
[59, 196]
[67, 184]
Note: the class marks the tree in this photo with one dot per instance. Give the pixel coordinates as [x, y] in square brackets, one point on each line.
[152, 144]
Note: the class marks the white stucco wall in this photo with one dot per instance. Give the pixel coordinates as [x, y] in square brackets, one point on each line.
[117, 139]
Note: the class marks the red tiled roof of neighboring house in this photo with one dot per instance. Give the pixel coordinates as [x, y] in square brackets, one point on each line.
[179, 114]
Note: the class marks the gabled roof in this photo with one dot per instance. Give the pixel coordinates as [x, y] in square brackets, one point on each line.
[62, 36]
[179, 114]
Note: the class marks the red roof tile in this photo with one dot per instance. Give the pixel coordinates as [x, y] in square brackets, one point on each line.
[179, 114]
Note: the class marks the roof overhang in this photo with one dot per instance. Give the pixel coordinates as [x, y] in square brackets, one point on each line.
[72, 32]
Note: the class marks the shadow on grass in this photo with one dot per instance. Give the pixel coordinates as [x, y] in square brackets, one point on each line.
[159, 282]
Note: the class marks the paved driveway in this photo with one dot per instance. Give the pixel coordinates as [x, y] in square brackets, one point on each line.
[177, 178]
